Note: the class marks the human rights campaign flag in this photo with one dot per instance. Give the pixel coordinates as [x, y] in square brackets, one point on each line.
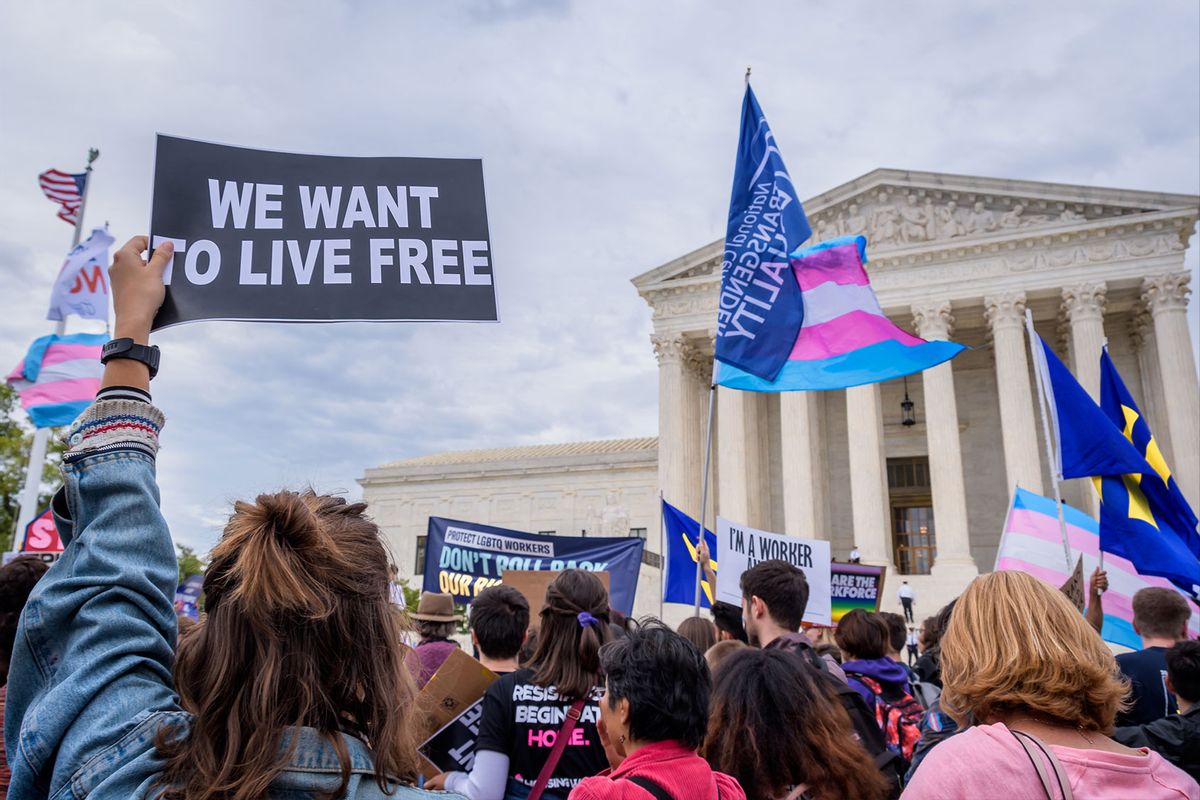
[1118, 404]
[1142, 510]
[759, 310]
[1137, 521]
[680, 583]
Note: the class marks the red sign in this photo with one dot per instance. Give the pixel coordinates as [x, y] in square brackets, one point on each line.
[41, 536]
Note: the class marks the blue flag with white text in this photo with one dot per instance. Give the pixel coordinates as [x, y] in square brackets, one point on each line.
[679, 584]
[759, 310]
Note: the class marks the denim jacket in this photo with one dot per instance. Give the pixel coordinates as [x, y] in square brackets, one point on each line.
[90, 681]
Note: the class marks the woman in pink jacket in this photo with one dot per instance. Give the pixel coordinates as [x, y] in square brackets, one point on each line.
[653, 716]
[1043, 690]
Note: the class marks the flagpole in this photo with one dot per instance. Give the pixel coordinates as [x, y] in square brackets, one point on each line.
[1099, 549]
[712, 398]
[41, 436]
[1051, 451]
[662, 554]
[1012, 504]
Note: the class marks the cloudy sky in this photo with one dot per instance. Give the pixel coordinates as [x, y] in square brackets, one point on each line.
[607, 131]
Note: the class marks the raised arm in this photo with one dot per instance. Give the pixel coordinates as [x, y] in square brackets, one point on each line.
[96, 641]
[705, 559]
[1095, 608]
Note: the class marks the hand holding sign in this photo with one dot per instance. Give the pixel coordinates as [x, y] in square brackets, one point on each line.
[137, 285]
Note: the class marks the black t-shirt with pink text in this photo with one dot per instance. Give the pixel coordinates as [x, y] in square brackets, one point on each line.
[522, 720]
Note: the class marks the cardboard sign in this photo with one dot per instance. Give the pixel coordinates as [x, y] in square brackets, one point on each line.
[740, 547]
[855, 586]
[456, 688]
[533, 584]
[464, 558]
[262, 235]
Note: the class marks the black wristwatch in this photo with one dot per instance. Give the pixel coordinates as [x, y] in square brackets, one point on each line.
[127, 348]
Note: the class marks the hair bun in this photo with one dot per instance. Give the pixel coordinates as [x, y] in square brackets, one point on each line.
[278, 551]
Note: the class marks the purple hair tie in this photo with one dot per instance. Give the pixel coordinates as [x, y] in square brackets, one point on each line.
[586, 619]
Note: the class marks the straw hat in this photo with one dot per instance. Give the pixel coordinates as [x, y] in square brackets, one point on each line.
[435, 607]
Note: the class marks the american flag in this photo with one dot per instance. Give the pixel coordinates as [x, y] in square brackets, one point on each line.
[66, 190]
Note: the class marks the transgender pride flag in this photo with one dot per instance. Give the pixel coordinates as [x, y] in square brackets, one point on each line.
[845, 339]
[1032, 543]
[59, 377]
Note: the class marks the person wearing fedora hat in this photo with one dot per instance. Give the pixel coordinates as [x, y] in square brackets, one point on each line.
[435, 622]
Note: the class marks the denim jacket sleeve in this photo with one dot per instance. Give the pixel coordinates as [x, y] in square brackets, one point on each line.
[96, 641]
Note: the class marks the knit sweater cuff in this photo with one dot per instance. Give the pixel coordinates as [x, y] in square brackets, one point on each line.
[114, 425]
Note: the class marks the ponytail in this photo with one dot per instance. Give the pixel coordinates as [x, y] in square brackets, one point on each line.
[278, 556]
[574, 626]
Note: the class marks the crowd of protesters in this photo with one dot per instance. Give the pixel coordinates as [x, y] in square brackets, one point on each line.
[298, 683]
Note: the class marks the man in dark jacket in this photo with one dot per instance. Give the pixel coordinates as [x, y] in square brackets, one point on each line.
[1160, 617]
[1175, 737]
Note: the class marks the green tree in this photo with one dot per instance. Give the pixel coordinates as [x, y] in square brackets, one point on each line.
[16, 437]
[189, 563]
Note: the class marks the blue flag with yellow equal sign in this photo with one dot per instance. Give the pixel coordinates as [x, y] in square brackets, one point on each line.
[679, 585]
[1139, 520]
[1155, 498]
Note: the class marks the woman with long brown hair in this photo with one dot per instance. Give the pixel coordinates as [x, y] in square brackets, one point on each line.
[526, 712]
[293, 686]
[779, 734]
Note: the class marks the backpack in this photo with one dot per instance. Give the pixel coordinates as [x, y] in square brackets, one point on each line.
[898, 715]
[866, 730]
[925, 693]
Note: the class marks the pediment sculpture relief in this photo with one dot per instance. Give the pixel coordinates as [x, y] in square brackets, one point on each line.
[898, 219]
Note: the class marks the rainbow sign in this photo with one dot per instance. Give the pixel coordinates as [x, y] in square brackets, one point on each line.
[854, 586]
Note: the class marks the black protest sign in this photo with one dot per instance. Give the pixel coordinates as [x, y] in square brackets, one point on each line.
[452, 749]
[261, 235]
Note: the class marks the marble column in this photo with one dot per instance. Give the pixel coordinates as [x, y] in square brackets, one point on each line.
[677, 451]
[698, 367]
[733, 496]
[802, 467]
[934, 321]
[1166, 296]
[1152, 398]
[868, 475]
[1083, 309]
[1005, 313]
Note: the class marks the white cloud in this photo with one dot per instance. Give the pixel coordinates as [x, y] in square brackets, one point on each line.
[607, 133]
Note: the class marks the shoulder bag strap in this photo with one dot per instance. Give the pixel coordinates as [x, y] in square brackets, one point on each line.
[657, 791]
[1032, 745]
[560, 744]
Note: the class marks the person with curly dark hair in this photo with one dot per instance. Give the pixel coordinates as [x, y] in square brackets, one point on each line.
[17, 579]
[781, 736]
[653, 715]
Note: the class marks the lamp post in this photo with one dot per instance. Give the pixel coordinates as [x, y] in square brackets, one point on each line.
[908, 417]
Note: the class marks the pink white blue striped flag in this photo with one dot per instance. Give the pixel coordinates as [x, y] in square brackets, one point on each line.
[59, 377]
[845, 339]
[1032, 543]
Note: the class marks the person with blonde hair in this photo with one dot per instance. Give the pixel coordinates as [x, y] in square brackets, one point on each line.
[1043, 691]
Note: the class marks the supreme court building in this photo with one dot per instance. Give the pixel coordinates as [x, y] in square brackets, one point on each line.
[923, 491]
